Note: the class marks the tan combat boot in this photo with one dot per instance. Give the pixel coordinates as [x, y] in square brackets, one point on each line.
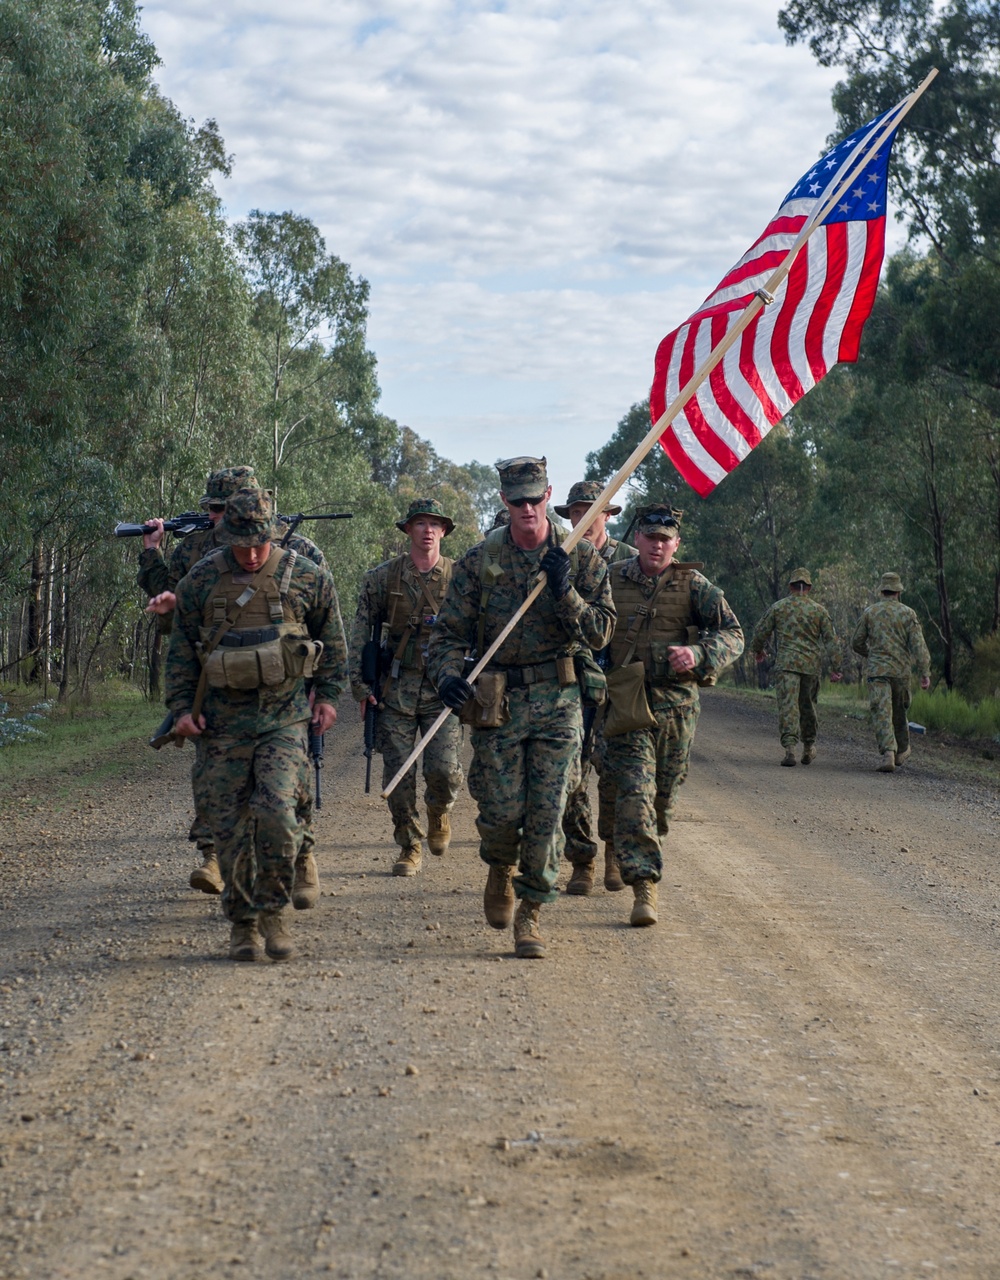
[305, 886]
[789, 761]
[438, 831]
[888, 763]
[244, 941]
[808, 753]
[277, 939]
[409, 861]
[498, 900]
[528, 944]
[613, 881]
[644, 907]
[902, 757]
[581, 881]
[207, 877]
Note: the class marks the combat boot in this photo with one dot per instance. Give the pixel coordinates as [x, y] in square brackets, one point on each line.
[305, 886]
[808, 753]
[902, 757]
[644, 907]
[528, 944]
[244, 941]
[613, 881]
[581, 881]
[207, 877]
[438, 831]
[888, 762]
[277, 939]
[498, 900]
[409, 861]
[789, 760]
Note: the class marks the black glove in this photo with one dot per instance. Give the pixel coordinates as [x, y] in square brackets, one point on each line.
[556, 564]
[454, 692]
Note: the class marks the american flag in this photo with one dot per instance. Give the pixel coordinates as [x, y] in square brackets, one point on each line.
[814, 322]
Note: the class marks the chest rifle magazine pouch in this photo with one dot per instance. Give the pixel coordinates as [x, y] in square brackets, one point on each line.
[488, 707]
[628, 707]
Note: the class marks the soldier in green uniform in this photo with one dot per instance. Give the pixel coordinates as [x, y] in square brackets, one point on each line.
[889, 638]
[581, 848]
[253, 621]
[398, 604]
[159, 581]
[678, 625]
[526, 714]
[802, 630]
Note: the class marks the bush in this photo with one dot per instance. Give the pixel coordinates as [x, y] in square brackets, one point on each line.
[948, 710]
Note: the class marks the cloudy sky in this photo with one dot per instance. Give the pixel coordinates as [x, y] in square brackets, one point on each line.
[537, 190]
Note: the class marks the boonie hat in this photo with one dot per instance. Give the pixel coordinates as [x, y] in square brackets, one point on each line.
[523, 477]
[800, 575]
[426, 507]
[585, 491]
[249, 519]
[890, 582]
[224, 483]
[660, 520]
[501, 519]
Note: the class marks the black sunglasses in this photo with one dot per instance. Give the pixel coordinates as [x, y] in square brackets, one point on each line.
[520, 502]
[660, 517]
[216, 506]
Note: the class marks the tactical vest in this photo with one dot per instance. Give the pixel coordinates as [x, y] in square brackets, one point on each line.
[647, 627]
[496, 562]
[617, 553]
[409, 616]
[266, 645]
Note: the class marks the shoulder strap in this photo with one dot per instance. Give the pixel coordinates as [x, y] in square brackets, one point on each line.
[642, 616]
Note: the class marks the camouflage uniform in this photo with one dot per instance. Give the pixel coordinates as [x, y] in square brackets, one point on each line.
[523, 770]
[253, 766]
[889, 638]
[578, 825]
[648, 765]
[410, 703]
[802, 629]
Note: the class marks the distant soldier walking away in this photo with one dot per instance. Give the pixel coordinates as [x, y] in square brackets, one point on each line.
[889, 638]
[581, 848]
[677, 626]
[802, 631]
[397, 607]
[253, 622]
[526, 714]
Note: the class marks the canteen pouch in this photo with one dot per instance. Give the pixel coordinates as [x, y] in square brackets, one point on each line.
[592, 680]
[488, 707]
[628, 707]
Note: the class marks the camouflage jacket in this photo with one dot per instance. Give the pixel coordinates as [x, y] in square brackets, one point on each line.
[249, 713]
[802, 630]
[155, 575]
[583, 618]
[888, 635]
[411, 690]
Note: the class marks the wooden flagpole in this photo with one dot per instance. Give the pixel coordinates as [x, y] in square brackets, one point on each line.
[855, 163]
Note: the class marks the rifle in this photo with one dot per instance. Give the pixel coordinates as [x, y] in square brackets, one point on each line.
[371, 674]
[191, 521]
[316, 745]
[165, 733]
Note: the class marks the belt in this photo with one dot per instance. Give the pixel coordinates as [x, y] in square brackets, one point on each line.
[533, 673]
[247, 639]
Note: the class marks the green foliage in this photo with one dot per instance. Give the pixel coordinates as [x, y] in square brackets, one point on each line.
[949, 711]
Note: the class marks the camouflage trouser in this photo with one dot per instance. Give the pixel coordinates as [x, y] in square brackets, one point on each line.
[201, 833]
[796, 695]
[249, 791]
[397, 736]
[577, 820]
[889, 702]
[647, 766]
[521, 775]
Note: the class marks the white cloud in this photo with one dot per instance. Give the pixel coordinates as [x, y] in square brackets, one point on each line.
[537, 190]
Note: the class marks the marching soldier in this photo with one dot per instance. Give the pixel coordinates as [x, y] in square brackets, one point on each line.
[802, 630]
[581, 849]
[675, 631]
[889, 638]
[253, 621]
[398, 604]
[525, 710]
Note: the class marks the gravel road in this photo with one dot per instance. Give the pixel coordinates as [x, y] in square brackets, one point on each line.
[794, 1075]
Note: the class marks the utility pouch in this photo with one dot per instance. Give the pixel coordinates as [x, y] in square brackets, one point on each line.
[488, 707]
[565, 670]
[592, 680]
[301, 657]
[628, 707]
